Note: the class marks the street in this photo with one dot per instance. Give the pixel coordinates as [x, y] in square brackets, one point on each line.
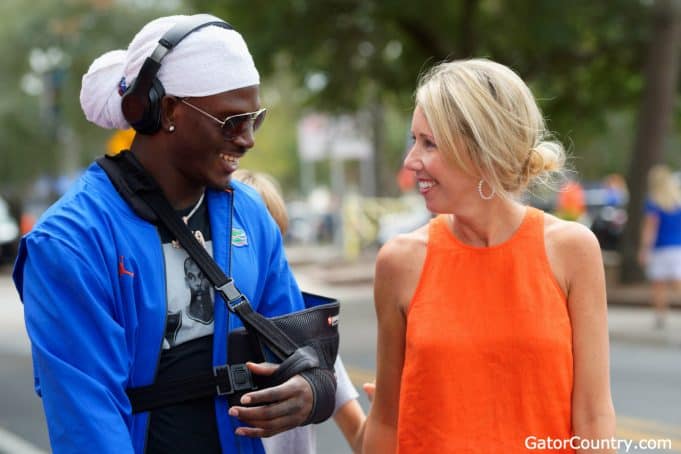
[645, 381]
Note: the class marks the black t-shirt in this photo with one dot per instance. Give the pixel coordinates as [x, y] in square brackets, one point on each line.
[190, 426]
[187, 348]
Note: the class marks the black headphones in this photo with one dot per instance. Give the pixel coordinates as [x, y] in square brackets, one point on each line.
[141, 102]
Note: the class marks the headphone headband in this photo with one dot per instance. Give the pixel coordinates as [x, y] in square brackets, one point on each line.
[177, 33]
[141, 101]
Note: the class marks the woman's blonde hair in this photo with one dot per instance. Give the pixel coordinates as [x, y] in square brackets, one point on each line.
[270, 192]
[484, 118]
[663, 188]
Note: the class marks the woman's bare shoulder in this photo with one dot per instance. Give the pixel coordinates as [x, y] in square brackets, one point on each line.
[566, 235]
[398, 267]
[572, 250]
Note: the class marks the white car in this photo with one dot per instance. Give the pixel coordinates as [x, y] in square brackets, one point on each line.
[9, 233]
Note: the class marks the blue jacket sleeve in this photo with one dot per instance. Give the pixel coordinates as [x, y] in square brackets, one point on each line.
[80, 356]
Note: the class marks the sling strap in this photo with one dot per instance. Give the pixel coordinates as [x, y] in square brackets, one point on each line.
[223, 381]
[280, 343]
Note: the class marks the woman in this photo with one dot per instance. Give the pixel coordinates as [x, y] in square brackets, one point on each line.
[491, 319]
[660, 250]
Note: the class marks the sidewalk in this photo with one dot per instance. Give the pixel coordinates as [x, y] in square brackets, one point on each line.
[321, 269]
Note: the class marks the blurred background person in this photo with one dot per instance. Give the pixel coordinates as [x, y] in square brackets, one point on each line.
[270, 191]
[615, 186]
[348, 414]
[570, 201]
[660, 249]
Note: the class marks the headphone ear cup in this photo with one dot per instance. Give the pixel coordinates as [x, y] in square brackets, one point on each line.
[143, 110]
[134, 104]
[151, 122]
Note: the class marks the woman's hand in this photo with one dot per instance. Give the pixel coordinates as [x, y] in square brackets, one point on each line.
[369, 390]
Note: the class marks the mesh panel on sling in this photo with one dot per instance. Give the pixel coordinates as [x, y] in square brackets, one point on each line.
[316, 326]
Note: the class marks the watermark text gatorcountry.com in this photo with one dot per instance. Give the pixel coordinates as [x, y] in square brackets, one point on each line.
[576, 442]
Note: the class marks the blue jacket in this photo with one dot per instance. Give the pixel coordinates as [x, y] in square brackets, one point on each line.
[91, 277]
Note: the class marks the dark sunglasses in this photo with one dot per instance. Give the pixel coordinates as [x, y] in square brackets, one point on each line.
[234, 125]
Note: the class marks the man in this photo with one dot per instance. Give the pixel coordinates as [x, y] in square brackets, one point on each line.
[101, 284]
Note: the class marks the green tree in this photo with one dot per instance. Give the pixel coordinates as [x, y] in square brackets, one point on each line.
[45, 49]
[582, 58]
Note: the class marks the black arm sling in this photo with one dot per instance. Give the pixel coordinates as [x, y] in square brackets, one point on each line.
[302, 341]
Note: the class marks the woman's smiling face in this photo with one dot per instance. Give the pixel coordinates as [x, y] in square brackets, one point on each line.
[442, 183]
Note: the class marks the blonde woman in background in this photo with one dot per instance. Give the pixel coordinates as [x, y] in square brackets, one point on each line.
[660, 250]
[269, 190]
[348, 414]
[492, 321]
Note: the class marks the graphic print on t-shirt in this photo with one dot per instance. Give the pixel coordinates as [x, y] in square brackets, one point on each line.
[200, 306]
[190, 297]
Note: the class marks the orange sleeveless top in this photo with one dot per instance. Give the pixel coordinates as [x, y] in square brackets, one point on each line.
[488, 352]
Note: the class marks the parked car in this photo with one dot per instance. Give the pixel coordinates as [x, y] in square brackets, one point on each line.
[9, 234]
[306, 225]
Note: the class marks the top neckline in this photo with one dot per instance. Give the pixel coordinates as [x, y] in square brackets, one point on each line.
[530, 213]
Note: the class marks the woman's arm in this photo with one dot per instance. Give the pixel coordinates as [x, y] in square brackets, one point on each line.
[593, 415]
[349, 416]
[398, 267]
[350, 419]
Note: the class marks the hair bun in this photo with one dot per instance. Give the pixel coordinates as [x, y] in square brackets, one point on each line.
[545, 157]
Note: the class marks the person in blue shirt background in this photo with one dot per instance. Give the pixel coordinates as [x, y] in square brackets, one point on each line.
[660, 249]
[107, 303]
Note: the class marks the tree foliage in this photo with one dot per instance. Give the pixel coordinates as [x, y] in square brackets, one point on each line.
[582, 58]
[584, 61]
[40, 129]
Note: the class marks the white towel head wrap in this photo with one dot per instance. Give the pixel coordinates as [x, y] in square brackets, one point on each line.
[208, 61]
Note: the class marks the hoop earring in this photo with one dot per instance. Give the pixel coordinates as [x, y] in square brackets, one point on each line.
[482, 194]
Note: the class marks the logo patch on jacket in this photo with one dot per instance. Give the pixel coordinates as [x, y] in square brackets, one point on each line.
[239, 238]
[121, 268]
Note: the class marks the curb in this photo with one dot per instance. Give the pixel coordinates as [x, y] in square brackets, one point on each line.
[649, 339]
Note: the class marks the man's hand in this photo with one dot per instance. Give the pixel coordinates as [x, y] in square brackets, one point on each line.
[281, 408]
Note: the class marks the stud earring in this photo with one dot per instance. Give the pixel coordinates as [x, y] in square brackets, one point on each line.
[482, 194]
[171, 128]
